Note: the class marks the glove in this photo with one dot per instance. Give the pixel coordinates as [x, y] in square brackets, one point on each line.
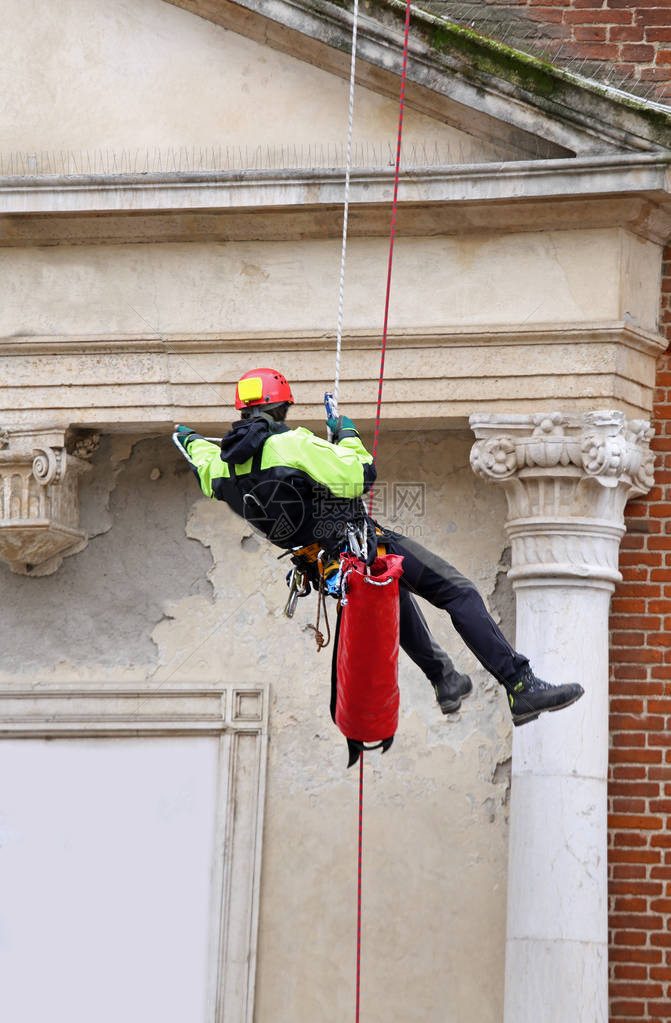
[183, 434]
[341, 428]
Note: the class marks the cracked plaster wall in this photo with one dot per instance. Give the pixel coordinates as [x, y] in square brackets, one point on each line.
[173, 586]
[93, 619]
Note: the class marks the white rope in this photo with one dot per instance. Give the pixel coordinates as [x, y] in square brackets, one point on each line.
[348, 167]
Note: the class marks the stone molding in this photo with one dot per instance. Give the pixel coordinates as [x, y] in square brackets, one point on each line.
[641, 175]
[39, 503]
[172, 377]
[238, 716]
[567, 479]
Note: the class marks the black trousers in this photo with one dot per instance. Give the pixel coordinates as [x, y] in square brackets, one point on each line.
[431, 577]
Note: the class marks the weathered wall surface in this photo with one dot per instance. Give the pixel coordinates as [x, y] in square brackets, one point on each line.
[141, 74]
[558, 277]
[174, 587]
[158, 333]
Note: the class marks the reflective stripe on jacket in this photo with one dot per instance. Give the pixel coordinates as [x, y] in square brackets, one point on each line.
[295, 488]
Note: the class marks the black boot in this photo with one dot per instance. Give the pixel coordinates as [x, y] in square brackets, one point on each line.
[529, 696]
[451, 691]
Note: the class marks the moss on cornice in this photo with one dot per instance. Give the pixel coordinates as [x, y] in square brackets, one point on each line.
[477, 56]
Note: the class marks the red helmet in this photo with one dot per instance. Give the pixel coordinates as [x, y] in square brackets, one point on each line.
[262, 387]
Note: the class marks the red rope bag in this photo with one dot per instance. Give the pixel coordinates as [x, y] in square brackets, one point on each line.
[364, 696]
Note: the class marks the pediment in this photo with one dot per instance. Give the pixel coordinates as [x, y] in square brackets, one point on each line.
[156, 89]
[261, 84]
[455, 76]
[190, 119]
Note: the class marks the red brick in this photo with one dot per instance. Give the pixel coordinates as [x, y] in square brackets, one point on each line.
[626, 971]
[631, 904]
[626, 705]
[650, 722]
[655, 16]
[638, 558]
[658, 34]
[638, 53]
[591, 33]
[636, 756]
[626, 33]
[628, 740]
[549, 15]
[635, 955]
[633, 990]
[638, 588]
[658, 639]
[631, 886]
[627, 839]
[661, 905]
[628, 605]
[626, 638]
[629, 772]
[635, 856]
[660, 706]
[659, 972]
[641, 655]
[646, 622]
[632, 542]
[659, 1010]
[630, 1009]
[643, 822]
[637, 686]
[632, 938]
[659, 543]
[646, 789]
[605, 17]
[629, 805]
[630, 872]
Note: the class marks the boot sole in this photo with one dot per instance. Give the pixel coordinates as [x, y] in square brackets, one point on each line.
[524, 719]
[449, 707]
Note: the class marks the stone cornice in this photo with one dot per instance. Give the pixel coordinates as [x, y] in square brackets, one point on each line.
[642, 174]
[625, 333]
[631, 191]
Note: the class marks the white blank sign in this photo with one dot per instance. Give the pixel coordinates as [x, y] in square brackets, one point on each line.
[106, 849]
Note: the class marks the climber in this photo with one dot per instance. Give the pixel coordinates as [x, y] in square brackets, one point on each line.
[301, 492]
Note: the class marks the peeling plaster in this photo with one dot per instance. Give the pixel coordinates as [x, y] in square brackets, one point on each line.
[96, 615]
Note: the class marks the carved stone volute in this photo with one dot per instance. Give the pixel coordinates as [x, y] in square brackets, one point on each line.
[39, 505]
[567, 478]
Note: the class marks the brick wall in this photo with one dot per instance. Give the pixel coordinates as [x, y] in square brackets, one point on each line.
[633, 35]
[640, 770]
[623, 37]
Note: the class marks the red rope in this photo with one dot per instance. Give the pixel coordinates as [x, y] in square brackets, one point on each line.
[391, 240]
[375, 444]
[359, 891]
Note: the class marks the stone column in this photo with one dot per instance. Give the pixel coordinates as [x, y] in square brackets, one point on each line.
[567, 478]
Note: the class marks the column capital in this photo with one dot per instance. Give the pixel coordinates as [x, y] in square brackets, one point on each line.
[39, 504]
[567, 478]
